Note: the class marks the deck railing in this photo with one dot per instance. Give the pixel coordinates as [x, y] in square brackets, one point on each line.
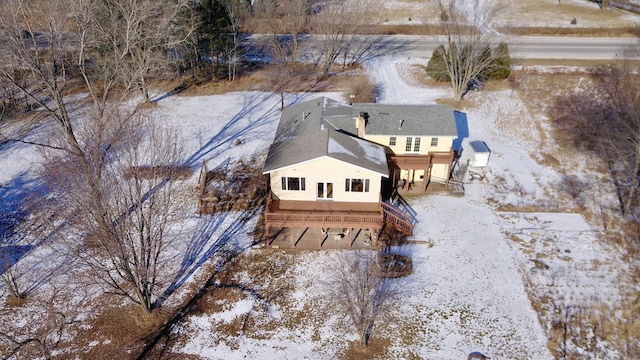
[325, 220]
[300, 218]
[400, 220]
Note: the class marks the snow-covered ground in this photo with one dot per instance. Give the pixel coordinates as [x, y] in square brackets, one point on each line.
[513, 13]
[467, 292]
[472, 263]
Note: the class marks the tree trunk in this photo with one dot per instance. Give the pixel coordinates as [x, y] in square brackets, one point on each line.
[630, 201]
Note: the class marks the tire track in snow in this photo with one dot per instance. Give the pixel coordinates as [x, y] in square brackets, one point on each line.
[384, 72]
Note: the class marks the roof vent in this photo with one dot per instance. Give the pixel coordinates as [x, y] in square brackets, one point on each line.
[401, 123]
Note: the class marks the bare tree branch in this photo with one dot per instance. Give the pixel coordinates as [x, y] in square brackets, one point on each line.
[604, 119]
[126, 210]
[359, 294]
[468, 36]
[336, 26]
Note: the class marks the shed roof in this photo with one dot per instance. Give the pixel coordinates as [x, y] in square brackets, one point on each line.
[479, 147]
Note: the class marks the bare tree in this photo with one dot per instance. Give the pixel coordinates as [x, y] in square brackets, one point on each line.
[35, 44]
[604, 118]
[123, 204]
[136, 39]
[99, 49]
[287, 21]
[284, 21]
[10, 276]
[358, 293]
[54, 49]
[236, 11]
[468, 35]
[55, 313]
[335, 26]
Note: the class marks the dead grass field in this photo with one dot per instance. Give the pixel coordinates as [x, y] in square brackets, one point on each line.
[515, 17]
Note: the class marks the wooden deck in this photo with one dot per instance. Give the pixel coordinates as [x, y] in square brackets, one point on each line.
[321, 239]
[322, 214]
[418, 162]
[322, 206]
[334, 224]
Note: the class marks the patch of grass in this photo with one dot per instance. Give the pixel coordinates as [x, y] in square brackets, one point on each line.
[516, 239]
[623, 31]
[362, 90]
[14, 301]
[307, 78]
[418, 77]
[580, 65]
[520, 208]
[111, 340]
[547, 159]
[377, 349]
[403, 29]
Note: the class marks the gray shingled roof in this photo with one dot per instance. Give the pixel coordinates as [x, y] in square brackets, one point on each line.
[406, 120]
[382, 119]
[310, 116]
[302, 131]
[329, 143]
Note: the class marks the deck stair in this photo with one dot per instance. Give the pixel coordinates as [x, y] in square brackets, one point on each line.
[399, 214]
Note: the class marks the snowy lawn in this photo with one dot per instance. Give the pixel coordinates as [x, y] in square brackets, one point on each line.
[472, 264]
[515, 13]
[474, 257]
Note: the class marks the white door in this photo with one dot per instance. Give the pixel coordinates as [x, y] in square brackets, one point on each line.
[325, 190]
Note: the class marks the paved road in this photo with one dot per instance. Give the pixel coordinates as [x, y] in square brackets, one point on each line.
[571, 47]
[519, 47]
[527, 47]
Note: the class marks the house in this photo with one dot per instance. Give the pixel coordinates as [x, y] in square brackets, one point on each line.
[419, 137]
[330, 163]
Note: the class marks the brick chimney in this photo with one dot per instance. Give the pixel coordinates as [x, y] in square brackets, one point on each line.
[361, 123]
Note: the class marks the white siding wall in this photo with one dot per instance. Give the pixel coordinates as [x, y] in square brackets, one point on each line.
[327, 170]
[444, 143]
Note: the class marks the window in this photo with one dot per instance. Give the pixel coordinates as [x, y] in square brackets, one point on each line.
[416, 144]
[434, 141]
[392, 141]
[293, 183]
[412, 144]
[357, 185]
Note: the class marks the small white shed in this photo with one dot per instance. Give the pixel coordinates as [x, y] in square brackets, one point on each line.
[481, 153]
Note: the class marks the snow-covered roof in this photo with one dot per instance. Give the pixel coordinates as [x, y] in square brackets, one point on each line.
[329, 143]
[312, 128]
[382, 119]
[408, 120]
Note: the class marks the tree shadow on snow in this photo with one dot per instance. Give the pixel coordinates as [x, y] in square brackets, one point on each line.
[237, 127]
[203, 247]
[15, 200]
[224, 249]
